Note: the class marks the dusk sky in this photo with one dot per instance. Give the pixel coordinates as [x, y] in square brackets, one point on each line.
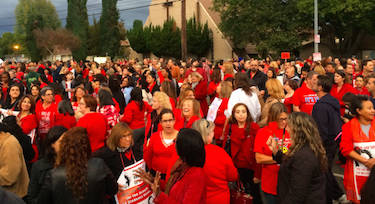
[7, 17]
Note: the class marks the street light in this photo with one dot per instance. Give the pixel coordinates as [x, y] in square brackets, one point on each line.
[16, 47]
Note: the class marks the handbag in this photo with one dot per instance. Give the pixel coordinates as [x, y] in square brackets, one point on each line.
[238, 196]
[227, 144]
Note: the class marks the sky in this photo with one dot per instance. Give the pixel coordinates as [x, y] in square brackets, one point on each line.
[129, 13]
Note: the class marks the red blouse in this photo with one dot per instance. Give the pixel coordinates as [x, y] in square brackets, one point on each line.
[339, 94]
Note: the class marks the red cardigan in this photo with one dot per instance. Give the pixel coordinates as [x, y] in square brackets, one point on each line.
[28, 123]
[66, 121]
[242, 145]
[220, 120]
[189, 189]
[135, 117]
[158, 153]
[219, 170]
[178, 126]
[96, 127]
[201, 95]
[338, 95]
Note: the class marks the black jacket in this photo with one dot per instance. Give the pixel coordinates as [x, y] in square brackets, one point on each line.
[9, 197]
[326, 113]
[25, 142]
[119, 96]
[113, 159]
[259, 78]
[101, 182]
[300, 179]
[38, 174]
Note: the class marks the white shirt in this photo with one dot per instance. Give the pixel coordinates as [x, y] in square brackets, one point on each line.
[252, 103]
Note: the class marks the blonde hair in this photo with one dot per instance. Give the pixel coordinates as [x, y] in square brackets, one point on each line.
[275, 89]
[228, 68]
[320, 70]
[196, 107]
[196, 75]
[204, 127]
[63, 70]
[274, 64]
[226, 89]
[163, 100]
[116, 133]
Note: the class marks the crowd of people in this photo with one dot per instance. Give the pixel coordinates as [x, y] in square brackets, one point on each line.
[68, 130]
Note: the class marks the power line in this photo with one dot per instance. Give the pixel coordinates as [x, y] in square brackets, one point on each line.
[119, 2]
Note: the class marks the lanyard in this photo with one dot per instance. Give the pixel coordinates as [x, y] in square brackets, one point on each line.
[122, 161]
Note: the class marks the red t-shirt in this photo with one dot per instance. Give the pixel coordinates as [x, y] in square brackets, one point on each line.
[339, 94]
[66, 121]
[135, 117]
[270, 171]
[46, 118]
[96, 127]
[28, 123]
[305, 99]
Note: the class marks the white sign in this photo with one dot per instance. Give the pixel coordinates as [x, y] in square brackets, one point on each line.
[317, 56]
[317, 39]
[361, 172]
[134, 191]
[100, 60]
[214, 107]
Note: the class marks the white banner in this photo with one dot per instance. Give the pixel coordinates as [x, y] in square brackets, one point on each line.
[134, 191]
[361, 172]
[212, 112]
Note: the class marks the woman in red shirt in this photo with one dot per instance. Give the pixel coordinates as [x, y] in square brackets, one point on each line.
[190, 113]
[35, 92]
[290, 86]
[46, 112]
[215, 81]
[242, 131]
[228, 70]
[216, 111]
[65, 117]
[134, 115]
[28, 121]
[151, 80]
[340, 88]
[276, 123]
[200, 89]
[95, 123]
[168, 88]
[360, 86]
[161, 146]
[78, 93]
[107, 107]
[219, 166]
[187, 184]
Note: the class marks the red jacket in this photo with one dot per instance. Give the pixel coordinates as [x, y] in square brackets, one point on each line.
[66, 121]
[189, 189]
[242, 146]
[135, 117]
[219, 170]
[178, 126]
[220, 120]
[29, 123]
[200, 71]
[96, 127]
[363, 91]
[201, 95]
[46, 118]
[338, 95]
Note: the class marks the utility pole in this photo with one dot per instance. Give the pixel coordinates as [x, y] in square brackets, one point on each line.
[183, 31]
[316, 45]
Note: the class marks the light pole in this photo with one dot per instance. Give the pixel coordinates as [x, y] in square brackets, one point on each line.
[316, 46]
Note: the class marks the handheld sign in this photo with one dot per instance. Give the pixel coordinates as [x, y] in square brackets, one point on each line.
[285, 55]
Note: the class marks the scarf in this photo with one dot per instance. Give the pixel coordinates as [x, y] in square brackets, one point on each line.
[178, 170]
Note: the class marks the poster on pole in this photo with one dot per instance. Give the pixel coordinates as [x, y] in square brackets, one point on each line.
[361, 172]
[134, 191]
[317, 56]
[317, 38]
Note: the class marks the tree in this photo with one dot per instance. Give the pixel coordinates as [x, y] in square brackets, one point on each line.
[273, 25]
[198, 37]
[52, 41]
[109, 28]
[6, 44]
[93, 40]
[77, 22]
[347, 21]
[44, 8]
[137, 37]
[171, 36]
[34, 22]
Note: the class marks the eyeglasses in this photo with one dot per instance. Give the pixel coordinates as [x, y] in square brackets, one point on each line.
[282, 119]
[82, 104]
[48, 94]
[167, 121]
[126, 136]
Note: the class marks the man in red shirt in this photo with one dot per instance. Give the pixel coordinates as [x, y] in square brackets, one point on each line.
[305, 97]
[195, 68]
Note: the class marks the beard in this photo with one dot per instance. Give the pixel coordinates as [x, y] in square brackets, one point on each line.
[254, 69]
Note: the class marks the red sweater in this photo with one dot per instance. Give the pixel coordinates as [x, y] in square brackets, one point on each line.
[362, 91]
[181, 124]
[29, 123]
[158, 153]
[135, 117]
[66, 121]
[219, 170]
[200, 71]
[96, 127]
[189, 189]
[46, 118]
[220, 120]
[338, 95]
[58, 99]
[242, 146]
[173, 103]
[201, 95]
